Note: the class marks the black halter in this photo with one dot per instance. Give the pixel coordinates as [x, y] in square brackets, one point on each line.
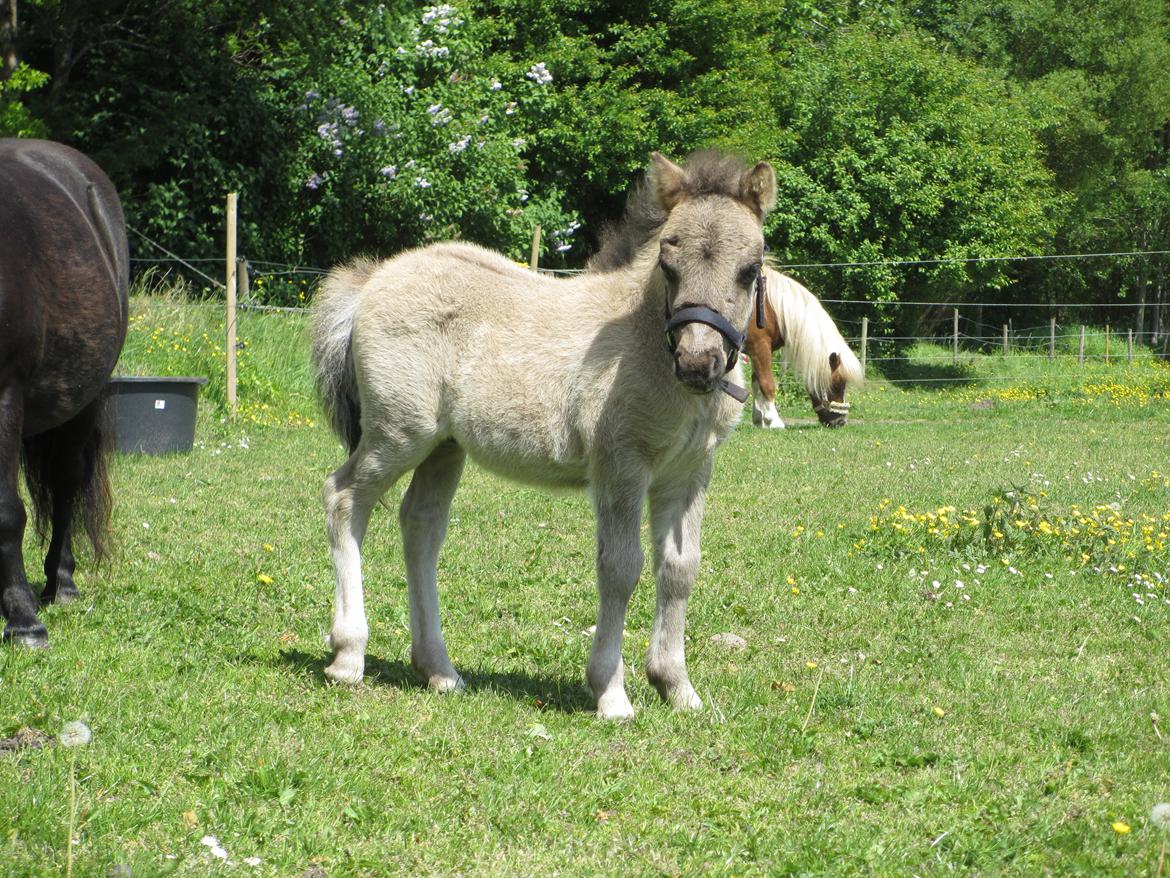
[712, 318]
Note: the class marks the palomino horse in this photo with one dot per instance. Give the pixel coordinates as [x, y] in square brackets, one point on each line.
[452, 350]
[64, 270]
[795, 319]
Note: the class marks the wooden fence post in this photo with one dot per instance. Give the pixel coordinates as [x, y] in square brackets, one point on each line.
[1005, 339]
[231, 301]
[534, 259]
[864, 342]
[1052, 338]
[955, 340]
[1106, 344]
[1081, 353]
[243, 282]
[1129, 345]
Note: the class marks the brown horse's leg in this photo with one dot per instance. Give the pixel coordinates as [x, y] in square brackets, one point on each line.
[16, 598]
[759, 347]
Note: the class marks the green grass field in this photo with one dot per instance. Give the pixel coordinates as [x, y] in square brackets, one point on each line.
[955, 609]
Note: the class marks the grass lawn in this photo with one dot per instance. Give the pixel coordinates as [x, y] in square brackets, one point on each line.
[916, 696]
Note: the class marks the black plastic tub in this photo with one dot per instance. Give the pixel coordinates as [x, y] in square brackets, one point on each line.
[155, 415]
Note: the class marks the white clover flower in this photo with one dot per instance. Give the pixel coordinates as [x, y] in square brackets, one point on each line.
[75, 734]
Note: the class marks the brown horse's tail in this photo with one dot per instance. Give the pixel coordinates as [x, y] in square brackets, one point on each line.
[70, 463]
[334, 312]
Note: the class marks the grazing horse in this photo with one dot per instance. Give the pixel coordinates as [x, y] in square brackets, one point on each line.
[795, 319]
[64, 271]
[611, 381]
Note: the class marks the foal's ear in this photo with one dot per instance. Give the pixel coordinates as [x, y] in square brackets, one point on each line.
[668, 180]
[758, 188]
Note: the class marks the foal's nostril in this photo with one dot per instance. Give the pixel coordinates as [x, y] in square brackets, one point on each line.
[698, 370]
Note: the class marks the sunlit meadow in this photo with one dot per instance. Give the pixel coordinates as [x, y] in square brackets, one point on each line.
[952, 620]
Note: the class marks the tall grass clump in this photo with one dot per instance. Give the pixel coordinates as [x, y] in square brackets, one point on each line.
[172, 333]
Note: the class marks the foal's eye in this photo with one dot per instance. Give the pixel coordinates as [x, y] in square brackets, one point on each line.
[747, 274]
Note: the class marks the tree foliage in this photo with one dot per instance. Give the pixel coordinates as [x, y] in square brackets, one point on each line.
[905, 131]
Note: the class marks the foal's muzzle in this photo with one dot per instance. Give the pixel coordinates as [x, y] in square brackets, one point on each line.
[700, 371]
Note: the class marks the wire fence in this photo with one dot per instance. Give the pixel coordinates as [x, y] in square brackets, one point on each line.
[889, 353]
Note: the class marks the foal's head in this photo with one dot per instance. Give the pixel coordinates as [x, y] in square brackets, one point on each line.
[711, 249]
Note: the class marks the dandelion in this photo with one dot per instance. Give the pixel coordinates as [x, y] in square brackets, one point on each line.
[1120, 827]
[1160, 816]
[73, 735]
[264, 578]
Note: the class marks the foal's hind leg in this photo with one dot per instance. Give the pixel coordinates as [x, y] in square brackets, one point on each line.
[16, 598]
[676, 516]
[423, 517]
[350, 494]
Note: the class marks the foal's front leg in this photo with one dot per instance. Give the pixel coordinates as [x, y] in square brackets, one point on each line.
[676, 517]
[619, 564]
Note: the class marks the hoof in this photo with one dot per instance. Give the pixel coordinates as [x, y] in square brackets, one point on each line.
[446, 683]
[29, 636]
[346, 671]
[615, 708]
[686, 700]
[63, 595]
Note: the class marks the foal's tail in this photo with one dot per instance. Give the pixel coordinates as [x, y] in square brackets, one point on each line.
[333, 315]
[69, 463]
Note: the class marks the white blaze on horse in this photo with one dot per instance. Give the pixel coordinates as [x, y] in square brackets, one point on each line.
[796, 320]
[452, 350]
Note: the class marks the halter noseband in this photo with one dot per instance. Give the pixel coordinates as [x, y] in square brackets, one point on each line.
[833, 408]
[712, 318]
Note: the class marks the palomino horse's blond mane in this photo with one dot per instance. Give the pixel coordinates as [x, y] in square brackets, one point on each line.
[810, 335]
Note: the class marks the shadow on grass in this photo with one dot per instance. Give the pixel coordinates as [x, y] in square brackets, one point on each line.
[547, 692]
[931, 376]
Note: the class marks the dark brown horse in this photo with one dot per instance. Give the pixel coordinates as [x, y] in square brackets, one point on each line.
[64, 270]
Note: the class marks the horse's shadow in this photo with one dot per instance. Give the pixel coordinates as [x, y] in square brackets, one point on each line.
[547, 692]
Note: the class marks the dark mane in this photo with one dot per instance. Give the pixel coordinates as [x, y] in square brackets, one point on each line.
[708, 172]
